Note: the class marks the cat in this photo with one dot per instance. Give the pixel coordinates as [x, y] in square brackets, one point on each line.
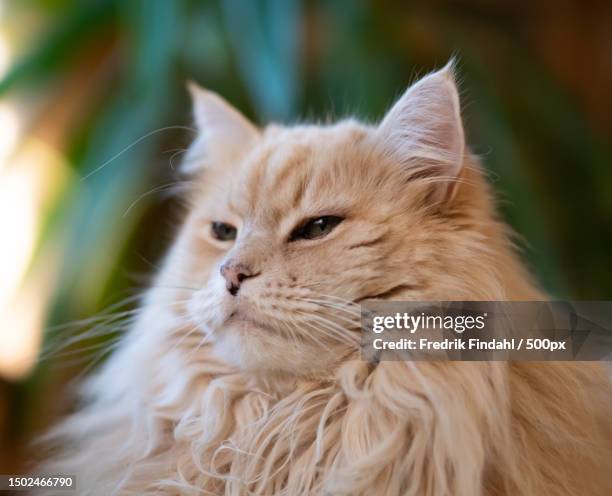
[242, 374]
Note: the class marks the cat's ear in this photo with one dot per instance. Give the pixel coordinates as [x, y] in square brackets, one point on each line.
[224, 134]
[424, 132]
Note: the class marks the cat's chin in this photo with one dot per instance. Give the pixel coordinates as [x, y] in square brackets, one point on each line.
[253, 347]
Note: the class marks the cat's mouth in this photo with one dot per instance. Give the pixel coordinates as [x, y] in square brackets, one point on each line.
[237, 319]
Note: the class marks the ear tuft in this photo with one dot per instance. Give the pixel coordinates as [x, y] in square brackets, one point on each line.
[224, 134]
[423, 130]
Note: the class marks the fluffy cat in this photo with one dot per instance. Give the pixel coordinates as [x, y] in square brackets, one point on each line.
[242, 374]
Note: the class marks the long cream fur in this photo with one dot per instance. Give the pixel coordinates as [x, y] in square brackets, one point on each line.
[282, 404]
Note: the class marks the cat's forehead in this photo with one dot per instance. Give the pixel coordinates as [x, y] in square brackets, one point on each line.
[288, 162]
[282, 147]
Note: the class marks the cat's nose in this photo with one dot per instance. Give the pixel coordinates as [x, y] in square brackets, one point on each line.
[234, 273]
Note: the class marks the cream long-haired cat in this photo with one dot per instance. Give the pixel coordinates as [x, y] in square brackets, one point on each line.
[243, 375]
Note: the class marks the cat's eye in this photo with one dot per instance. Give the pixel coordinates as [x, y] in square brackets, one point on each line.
[316, 228]
[223, 231]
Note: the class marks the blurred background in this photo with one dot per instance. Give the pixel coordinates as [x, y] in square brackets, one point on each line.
[94, 117]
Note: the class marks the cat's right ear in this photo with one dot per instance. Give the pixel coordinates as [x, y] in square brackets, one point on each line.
[224, 134]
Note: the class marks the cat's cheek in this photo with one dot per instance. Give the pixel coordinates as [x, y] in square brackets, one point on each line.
[198, 314]
[208, 308]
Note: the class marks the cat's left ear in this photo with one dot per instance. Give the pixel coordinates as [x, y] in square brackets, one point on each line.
[424, 132]
[224, 134]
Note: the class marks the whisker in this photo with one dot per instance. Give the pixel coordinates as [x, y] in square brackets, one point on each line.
[92, 364]
[184, 337]
[335, 306]
[333, 329]
[157, 189]
[134, 143]
[83, 350]
[95, 318]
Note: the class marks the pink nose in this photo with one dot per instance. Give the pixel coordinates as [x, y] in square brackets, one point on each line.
[234, 274]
